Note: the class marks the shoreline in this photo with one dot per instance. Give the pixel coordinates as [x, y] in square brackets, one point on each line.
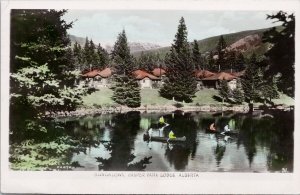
[159, 109]
[151, 109]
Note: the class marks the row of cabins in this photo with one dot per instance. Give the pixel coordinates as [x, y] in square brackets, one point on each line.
[154, 79]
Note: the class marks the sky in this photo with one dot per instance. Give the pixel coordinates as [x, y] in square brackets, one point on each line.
[160, 26]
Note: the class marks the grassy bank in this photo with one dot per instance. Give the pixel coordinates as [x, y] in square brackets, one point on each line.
[103, 96]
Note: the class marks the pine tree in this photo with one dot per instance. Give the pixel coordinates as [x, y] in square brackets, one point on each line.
[121, 55]
[252, 80]
[42, 66]
[221, 53]
[78, 56]
[240, 62]
[238, 93]
[126, 90]
[86, 54]
[230, 60]
[180, 82]
[197, 58]
[93, 55]
[281, 55]
[224, 90]
[102, 57]
[269, 90]
[211, 62]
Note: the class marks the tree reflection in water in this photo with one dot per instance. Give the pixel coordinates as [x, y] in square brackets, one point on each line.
[182, 125]
[124, 130]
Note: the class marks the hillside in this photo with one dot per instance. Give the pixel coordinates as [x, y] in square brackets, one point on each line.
[246, 41]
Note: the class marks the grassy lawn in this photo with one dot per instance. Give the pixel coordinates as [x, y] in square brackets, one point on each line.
[152, 97]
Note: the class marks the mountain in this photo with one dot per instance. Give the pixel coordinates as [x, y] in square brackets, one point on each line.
[134, 46]
[245, 41]
[79, 40]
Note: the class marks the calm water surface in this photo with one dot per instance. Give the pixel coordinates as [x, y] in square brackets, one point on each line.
[114, 142]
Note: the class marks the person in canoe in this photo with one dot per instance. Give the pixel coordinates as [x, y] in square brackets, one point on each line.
[161, 120]
[212, 127]
[150, 132]
[226, 129]
[171, 135]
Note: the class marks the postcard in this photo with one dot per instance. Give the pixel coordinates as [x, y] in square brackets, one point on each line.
[149, 97]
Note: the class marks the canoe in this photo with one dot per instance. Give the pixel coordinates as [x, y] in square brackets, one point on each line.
[164, 139]
[220, 132]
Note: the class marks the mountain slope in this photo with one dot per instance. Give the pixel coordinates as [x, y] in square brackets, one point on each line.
[251, 38]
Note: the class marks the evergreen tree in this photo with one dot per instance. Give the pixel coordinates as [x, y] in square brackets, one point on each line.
[211, 62]
[221, 53]
[126, 90]
[230, 60]
[121, 56]
[102, 58]
[240, 62]
[269, 90]
[282, 53]
[238, 93]
[224, 90]
[252, 80]
[180, 82]
[147, 61]
[93, 55]
[78, 56]
[86, 54]
[42, 67]
[197, 58]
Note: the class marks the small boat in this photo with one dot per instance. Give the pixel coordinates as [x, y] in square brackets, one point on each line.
[164, 139]
[222, 132]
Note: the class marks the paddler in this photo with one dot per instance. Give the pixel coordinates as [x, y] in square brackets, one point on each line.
[161, 120]
[212, 127]
[150, 132]
[171, 135]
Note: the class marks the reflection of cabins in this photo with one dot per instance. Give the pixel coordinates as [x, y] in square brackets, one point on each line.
[212, 80]
[97, 78]
[146, 80]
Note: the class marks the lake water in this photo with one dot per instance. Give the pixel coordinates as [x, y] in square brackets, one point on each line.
[114, 142]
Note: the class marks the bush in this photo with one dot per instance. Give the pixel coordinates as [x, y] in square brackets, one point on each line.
[178, 105]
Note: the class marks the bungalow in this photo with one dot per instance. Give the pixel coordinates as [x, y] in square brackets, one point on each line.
[200, 75]
[98, 79]
[214, 81]
[146, 80]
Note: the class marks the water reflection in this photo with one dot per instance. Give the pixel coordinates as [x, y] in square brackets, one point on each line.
[123, 132]
[114, 142]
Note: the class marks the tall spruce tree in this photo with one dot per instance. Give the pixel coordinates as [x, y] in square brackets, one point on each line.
[269, 90]
[102, 57]
[240, 62]
[224, 90]
[211, 62]
[221, 53]
[78, 56]
[123, 60]
[42, 69]
[93, 55]
[252, 80]
[197, 58]
[180, 82]
[86, 54]
[126, 90]
[238, 93]
[281, 55]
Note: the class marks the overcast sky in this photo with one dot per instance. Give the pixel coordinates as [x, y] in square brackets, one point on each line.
[160, 27]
